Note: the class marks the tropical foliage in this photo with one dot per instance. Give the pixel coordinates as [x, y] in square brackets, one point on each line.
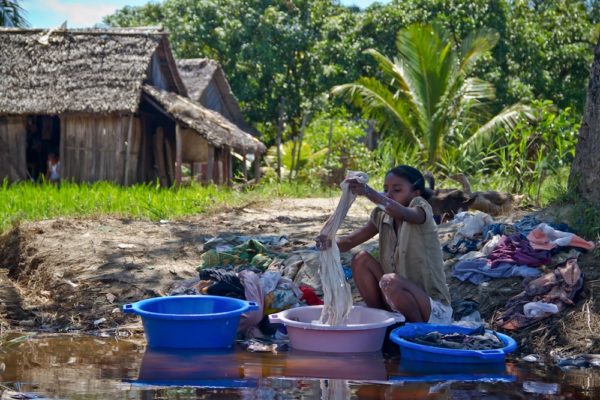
[425, 97]
[299, 50]
[12, 14]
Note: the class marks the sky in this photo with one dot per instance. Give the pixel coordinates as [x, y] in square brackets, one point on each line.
[86, 13]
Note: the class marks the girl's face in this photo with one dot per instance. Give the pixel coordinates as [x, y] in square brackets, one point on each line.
[399, 189]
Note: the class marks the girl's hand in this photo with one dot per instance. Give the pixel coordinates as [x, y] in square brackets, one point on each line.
[357, 188]
[362, 189]
[322, 242]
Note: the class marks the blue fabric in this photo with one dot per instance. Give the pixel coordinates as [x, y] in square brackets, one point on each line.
[529, 222]
[347, 272]
[478, 270]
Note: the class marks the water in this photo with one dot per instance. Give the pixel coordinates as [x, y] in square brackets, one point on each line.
[75, 367]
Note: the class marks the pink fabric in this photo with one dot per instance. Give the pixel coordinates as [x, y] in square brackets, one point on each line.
[544, 237]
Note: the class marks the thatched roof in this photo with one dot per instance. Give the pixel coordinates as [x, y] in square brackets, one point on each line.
[215, 128]
[85, 70]
[197, 73]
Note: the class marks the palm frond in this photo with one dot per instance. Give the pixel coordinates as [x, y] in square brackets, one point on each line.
[507, 119]
[379, 104]
[478, 89]
[12, 14]
[396, 71]
[430, 63]
[476, 45]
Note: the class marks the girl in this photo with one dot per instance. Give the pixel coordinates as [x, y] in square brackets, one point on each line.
[409, 276]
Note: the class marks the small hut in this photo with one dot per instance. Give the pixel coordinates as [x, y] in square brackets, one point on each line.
[207, 84]
[111, 104]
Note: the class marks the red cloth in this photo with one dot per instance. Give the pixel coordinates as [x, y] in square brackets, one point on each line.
[309, 296]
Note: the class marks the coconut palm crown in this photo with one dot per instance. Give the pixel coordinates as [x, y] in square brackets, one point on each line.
[425, 96]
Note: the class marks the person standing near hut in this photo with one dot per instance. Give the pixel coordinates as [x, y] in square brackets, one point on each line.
[53, 169]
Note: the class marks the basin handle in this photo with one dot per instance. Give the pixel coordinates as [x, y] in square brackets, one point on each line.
[399, 317]
[128, 308]
[396, 316]
[252, 306]
[489, 354]
[274, 319]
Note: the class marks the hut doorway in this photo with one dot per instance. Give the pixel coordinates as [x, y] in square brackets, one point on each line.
[43, 139]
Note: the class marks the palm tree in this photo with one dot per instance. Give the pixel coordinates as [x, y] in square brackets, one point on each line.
[425, 96]
[11, 14]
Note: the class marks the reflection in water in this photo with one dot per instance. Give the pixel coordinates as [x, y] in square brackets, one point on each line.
[69, 367]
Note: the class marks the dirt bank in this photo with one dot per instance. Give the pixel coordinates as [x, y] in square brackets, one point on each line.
[74, 274]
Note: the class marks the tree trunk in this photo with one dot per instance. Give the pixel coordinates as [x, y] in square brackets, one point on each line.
[585, 170]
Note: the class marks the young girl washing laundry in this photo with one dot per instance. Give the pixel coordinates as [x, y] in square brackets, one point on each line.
[409, 276]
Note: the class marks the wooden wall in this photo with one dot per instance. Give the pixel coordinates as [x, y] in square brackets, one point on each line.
[195, 148]
[13, 145]
[102, 148]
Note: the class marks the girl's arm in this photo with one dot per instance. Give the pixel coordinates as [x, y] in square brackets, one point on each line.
[412, 215]
[357, 237]
[350, 241]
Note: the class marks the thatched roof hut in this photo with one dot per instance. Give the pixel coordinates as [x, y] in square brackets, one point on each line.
[68, 71]
[208, 123]
[207, 84]
[111, 102]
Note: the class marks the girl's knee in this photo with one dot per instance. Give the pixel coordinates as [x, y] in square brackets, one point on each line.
[389, 283]
[359, 259]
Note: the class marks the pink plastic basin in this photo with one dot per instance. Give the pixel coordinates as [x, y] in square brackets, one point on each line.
[363, 332]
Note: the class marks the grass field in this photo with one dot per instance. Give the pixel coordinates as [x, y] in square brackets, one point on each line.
[30, 201]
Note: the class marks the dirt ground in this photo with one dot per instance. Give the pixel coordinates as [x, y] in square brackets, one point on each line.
[73, 275]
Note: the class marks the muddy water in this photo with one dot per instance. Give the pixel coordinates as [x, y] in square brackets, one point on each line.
[75, 367]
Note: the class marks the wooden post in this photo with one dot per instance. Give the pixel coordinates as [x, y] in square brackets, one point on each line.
[65, 162]
[178, 155]
[279, 133]
[159, 156]
[228, 162]
[170, 160]
[128, 151]
[210, 165]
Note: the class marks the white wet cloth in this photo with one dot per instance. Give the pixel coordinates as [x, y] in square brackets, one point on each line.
[337, 297]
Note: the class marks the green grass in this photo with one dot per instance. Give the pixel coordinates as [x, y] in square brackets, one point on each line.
[582, 216]
[29, 201]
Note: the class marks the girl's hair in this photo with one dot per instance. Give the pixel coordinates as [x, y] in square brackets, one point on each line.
[413, 176]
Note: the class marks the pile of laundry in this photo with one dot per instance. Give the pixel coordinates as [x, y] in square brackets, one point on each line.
[262, 269]
[478, 339]
[545, 255]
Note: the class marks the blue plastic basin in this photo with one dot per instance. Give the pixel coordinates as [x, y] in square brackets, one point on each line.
[190, 322]
[419, 352]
